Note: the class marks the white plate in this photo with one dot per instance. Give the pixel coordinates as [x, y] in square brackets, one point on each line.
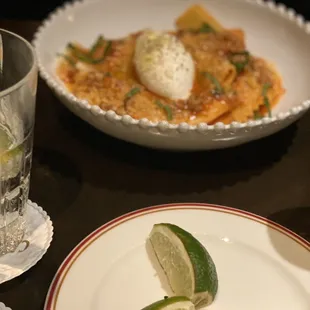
[272, 31]
[261, 265]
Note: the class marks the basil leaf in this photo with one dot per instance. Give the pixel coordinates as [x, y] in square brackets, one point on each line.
[132, 93]
[257, 115]
[98, 43]
[87, 58]
[106, 50]
[67, 58]
[205, 28]
[78, 54]
[265, 89]
[217, 86]
[239, 64]
[166, 108]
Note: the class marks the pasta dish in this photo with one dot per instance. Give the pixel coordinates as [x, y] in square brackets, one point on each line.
[200, 72]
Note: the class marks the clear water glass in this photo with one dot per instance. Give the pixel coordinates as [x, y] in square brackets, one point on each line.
[18, 86]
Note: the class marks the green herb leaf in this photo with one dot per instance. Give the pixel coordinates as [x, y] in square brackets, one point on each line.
[106, 50]
[257, 115]
[166, 108]
[240, 60]
[98, 43]
[266, 87]
[266, 100]
[87, 58]
[217, 86]
[205, 28]
[67, 58]
[132, 93]
[78, 54]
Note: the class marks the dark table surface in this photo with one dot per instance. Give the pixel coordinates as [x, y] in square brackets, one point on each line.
[84, 178]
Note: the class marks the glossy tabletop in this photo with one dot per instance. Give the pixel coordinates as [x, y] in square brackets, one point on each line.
[84, 178]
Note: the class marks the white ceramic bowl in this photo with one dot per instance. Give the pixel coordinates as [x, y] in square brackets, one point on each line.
[272, 31]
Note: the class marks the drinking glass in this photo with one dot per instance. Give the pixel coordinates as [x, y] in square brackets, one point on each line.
[18, 86]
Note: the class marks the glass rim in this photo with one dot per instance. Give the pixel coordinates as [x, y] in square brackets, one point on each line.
[23, 80]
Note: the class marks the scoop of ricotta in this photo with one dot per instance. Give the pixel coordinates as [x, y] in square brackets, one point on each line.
[163, 65]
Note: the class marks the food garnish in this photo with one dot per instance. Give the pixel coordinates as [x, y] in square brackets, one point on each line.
[218, 89]
[88, 58]
[132, 93]
[166, 108]
[205, 28]
[266, 87]
[240, 60]
[257, 115]
[67, 58]
[98, 43]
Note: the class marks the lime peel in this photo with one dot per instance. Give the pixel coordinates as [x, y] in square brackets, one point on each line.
[172, 303]
[187, 264]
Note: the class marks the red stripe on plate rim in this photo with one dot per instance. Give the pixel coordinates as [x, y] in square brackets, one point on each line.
[55, 286]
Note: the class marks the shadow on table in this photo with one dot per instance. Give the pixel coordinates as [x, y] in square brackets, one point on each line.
[55, 180]
[10, 285]
[297, 220]
[134, 168]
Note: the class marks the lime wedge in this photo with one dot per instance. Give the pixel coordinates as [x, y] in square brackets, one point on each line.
[11, 163]
[188, 266]
[172, 303]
